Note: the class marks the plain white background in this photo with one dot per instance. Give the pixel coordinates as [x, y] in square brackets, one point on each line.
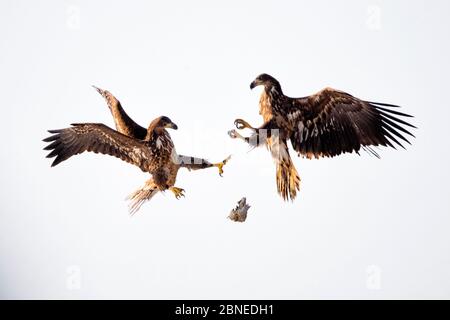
[360, 228]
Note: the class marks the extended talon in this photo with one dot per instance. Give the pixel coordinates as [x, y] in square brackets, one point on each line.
[178, 192]
[242, 124]
[221, 164]
[234, 134]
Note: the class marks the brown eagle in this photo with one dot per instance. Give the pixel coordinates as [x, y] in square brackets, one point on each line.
[325, 124]
[152, 149]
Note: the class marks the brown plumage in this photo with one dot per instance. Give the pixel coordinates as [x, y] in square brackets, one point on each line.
[152, 149]
[98, 138]
[125, 125]
[325, 124]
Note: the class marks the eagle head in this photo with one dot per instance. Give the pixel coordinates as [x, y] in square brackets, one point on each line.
[266, 80]
[167, 123]
[164, 123]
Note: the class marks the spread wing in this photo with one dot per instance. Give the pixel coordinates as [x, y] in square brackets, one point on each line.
[124, 124]
[332, 122]
[96, 138]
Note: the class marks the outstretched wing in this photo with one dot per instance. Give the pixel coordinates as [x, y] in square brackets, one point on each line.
[332, 122]
[97, 138]
[124, 124]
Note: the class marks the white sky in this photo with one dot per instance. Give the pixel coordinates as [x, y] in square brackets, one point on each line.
[65, 231]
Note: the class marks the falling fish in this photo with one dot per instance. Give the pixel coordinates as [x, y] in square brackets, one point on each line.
[239, 214]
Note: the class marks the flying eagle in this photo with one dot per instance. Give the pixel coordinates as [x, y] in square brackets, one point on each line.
[152, 149]
[325, 124]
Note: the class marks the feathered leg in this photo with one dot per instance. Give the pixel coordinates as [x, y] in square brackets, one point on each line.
[192, 163]
[288, 180]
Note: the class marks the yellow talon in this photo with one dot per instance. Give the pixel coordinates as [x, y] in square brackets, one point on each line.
[178, 192]
[221, 164]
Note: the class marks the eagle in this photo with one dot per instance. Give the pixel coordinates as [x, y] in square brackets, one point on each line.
[152, 149]
[325, 124]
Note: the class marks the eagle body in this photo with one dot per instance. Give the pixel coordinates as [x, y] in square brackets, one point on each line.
[152, 149]
[325, 124]
[164, 168]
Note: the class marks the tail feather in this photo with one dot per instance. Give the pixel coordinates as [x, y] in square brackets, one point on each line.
[288, 180]
[141, 195]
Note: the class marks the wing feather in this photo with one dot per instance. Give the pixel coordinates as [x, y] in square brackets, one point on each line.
[332, 122]
[97, 138]
[124, 124]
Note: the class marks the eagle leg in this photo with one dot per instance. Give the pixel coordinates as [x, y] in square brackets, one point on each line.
[178, 192]
[235, 135]
[221, 164]
[242, 124]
